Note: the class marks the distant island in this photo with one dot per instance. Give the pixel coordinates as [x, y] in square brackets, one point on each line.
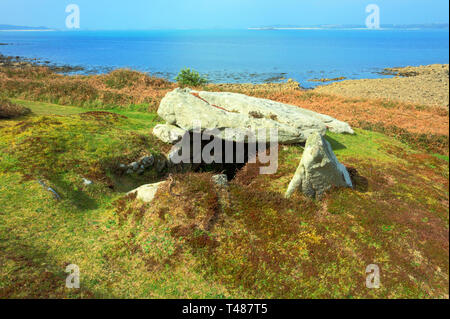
[353, 26]
[7, 27]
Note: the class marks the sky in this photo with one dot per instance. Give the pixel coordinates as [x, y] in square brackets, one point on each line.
[195, 14]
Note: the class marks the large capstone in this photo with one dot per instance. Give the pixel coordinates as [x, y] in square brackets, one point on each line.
[233, 116]
[319, 169]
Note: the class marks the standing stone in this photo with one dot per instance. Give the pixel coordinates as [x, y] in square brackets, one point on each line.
[319, 169]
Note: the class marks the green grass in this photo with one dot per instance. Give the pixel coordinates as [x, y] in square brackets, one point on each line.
[40, 235]
[250, 242]
[41, 108]
[440, 156]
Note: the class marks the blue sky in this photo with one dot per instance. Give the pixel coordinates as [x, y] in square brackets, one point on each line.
[169, 14]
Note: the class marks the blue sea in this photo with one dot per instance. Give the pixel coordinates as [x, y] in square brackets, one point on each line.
[254, 56]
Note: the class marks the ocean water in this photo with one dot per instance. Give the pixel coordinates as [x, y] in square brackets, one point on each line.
[254, 56]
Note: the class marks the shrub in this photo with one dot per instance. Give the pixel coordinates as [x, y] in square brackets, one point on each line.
[10, 110]
[188, 77]
[121, 78]
[124, 78]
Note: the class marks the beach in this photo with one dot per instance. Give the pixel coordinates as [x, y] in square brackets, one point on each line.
[426, 85]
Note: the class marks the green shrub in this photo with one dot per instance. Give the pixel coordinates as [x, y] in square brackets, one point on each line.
[188, 77]
[10, 110]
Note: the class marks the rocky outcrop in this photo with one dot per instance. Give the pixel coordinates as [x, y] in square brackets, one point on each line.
[237, 114]
[139, 166]
[319, 169]
[146, 193]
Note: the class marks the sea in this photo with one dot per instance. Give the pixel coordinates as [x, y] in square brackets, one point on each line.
[236, 56]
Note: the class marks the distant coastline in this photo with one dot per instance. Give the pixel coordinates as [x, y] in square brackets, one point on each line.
[31, 30]
[435, 26]
[16, 28]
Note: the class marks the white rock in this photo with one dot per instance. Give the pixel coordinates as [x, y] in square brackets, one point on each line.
[86, 181]
[239, 113]
[147, 192]
[168, 133]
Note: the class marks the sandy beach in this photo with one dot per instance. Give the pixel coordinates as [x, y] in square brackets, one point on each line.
[425, 85]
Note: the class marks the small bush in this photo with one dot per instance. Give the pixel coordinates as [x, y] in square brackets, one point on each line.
[188, 77]
[9, 110]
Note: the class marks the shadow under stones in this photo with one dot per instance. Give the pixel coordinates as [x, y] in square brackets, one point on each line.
[360, 183]
[230, 158]
[335, 145]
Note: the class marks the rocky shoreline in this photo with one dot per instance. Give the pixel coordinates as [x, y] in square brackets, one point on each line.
[426, 85]
[19, 62]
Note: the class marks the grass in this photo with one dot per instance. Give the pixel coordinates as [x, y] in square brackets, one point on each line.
[125, 89]
[35, 227]
[247, 242]
[254, 239]
[42, 108]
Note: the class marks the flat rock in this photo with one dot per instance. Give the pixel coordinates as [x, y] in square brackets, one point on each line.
[239, 113]
[319, 169]
[147, 192]
[168, 133]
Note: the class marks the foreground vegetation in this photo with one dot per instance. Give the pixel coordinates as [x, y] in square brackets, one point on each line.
[247, 242]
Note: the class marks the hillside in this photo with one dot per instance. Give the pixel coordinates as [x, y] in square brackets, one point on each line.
[249, 242]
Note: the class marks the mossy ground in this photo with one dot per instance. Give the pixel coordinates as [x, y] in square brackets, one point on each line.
[247, 242]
